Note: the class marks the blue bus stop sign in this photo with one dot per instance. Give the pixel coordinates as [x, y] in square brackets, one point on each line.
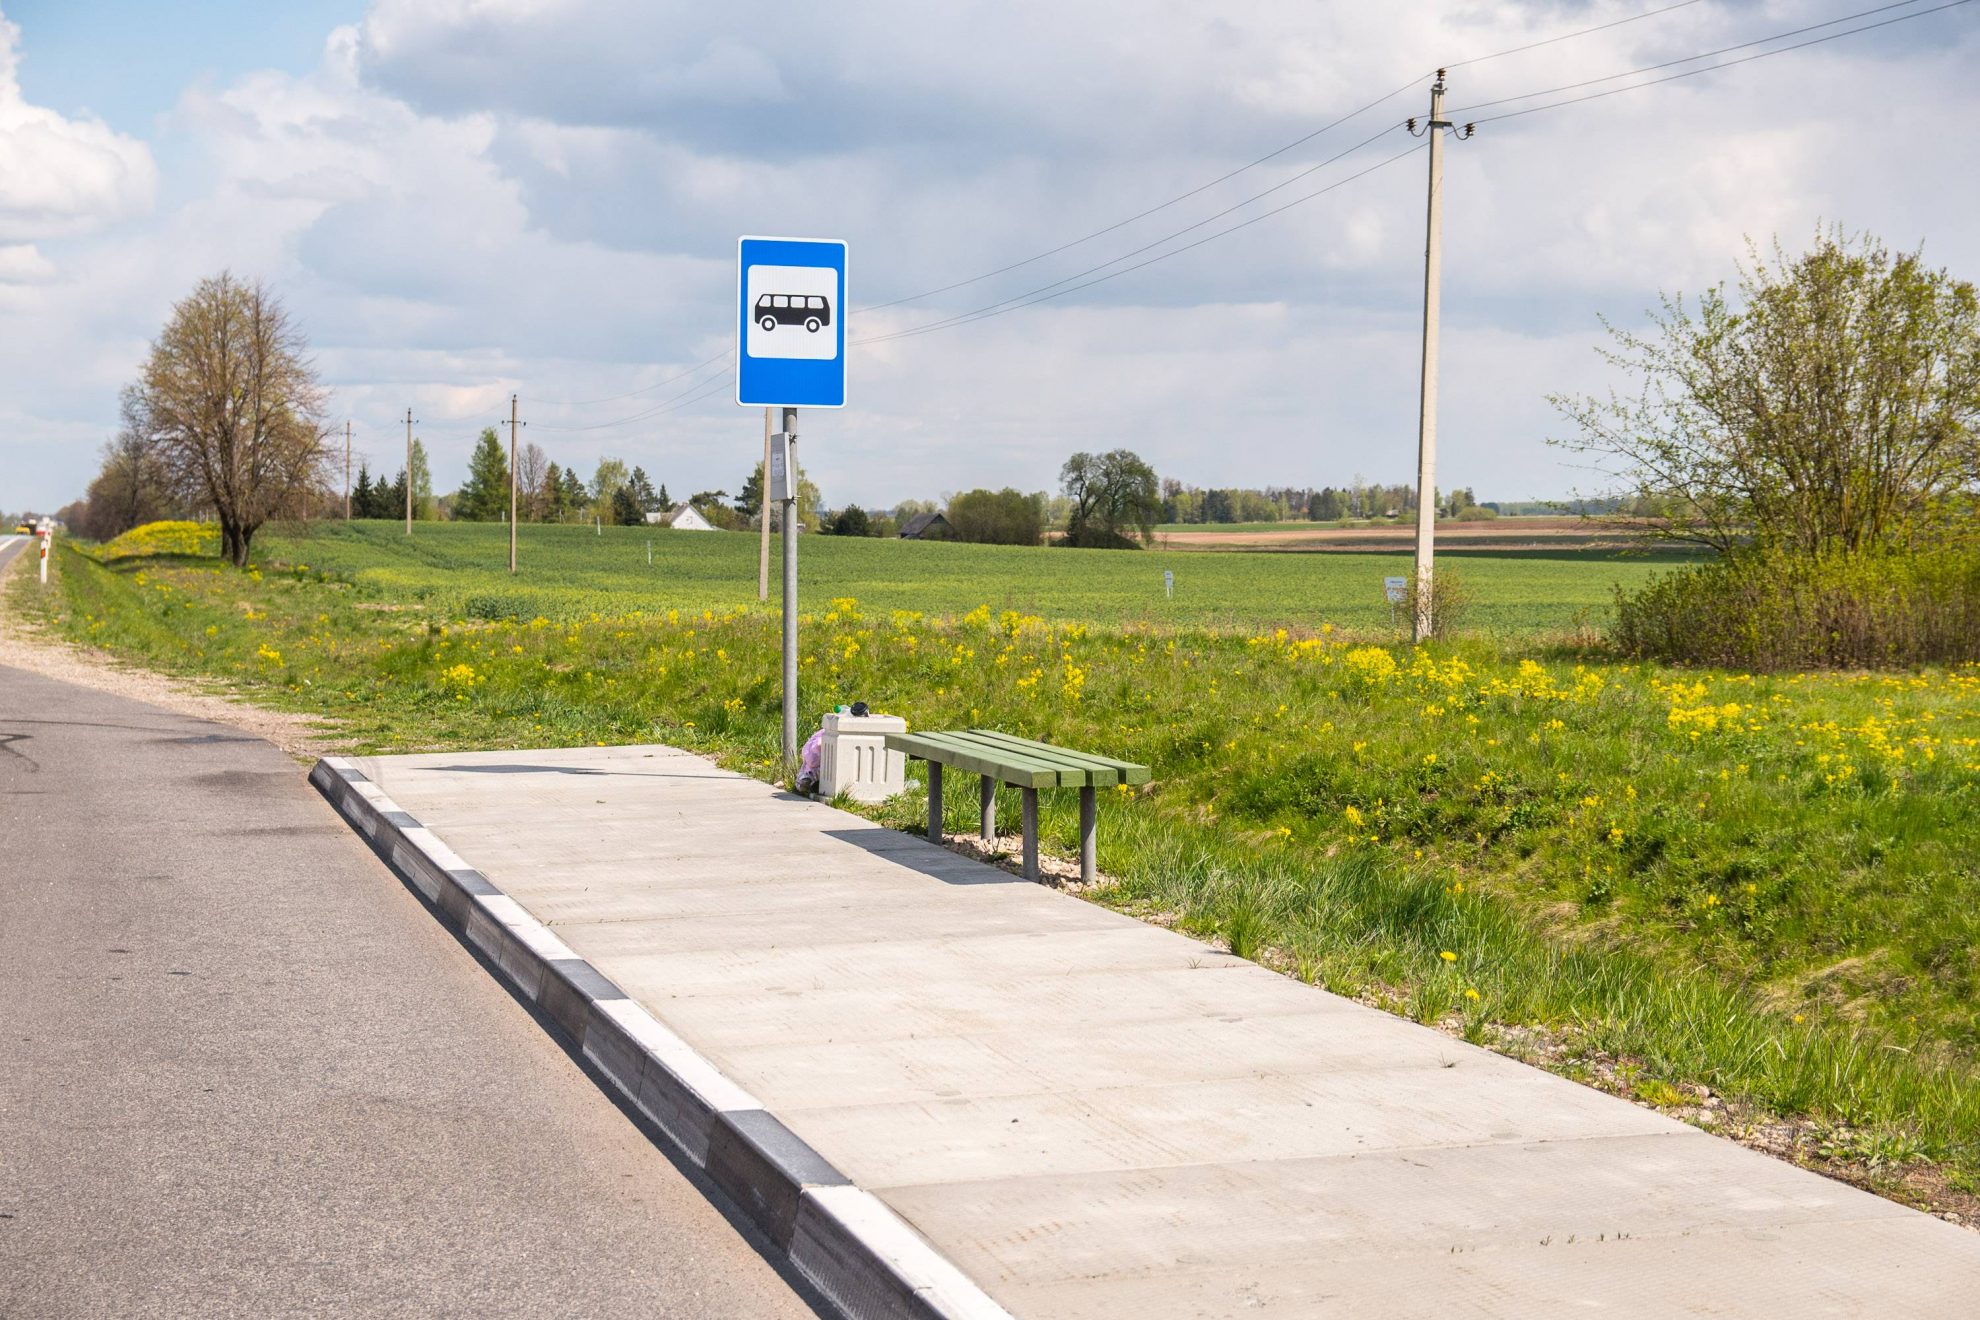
[791, 323]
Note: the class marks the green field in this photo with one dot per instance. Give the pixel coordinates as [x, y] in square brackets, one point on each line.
[570, 571]
[1661, 881]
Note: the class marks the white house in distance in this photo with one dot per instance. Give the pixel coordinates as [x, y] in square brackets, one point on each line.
[683, 518]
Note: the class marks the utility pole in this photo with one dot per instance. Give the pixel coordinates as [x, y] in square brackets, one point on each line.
[513, 423]
[1426, 417]
[763, 510]
[347, 469]
[409, 472]
[790, 595]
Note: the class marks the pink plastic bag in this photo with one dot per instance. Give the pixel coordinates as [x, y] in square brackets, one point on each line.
[814, 748]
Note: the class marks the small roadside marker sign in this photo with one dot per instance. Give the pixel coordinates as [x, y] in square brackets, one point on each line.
[1395, 589]
[1168, 582]
[790, 323]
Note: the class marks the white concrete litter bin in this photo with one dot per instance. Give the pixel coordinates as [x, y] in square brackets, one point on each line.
[854, 760]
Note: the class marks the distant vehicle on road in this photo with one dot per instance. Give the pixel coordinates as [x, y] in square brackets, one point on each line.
[810, 311]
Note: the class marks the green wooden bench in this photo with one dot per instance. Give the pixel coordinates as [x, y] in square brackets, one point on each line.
[1003, 758]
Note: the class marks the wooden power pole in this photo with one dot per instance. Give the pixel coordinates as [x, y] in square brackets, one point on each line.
[1426, 418]
[409, 472]
[513, 479]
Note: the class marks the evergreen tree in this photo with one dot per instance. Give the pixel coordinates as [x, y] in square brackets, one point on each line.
[484, 496]
[625, 507]
[666, 505]
[361, 494]
[551, 497]
[392, 498]
[570, 494]
[642, 492]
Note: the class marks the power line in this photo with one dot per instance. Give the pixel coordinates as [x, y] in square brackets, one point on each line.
[1570, 36]
[1692, 73]
[1238, 206]
[986, 314]
[655, 411]
[1268, 156]
[644, 389]
[1706, 55]
[1142, 215]
[1044, 293]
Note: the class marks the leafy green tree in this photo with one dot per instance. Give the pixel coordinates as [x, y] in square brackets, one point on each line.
[1830, 403]
[1114, 495]
[605, 483]
[422, 487]
[484, 496]
[1004, 517]
[851, 521]
[1327, 505]
[750, 502]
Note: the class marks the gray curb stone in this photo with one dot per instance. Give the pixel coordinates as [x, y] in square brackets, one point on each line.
[863, 1258]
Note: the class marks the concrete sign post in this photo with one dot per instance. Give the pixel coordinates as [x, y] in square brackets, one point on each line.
[790, 354]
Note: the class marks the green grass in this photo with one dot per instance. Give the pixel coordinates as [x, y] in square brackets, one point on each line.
[570, 572]
[1761, 885]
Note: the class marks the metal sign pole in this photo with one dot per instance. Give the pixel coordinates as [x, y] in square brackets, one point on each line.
[790, 597]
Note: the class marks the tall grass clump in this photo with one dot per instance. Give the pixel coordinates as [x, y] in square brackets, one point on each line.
[1771, 610]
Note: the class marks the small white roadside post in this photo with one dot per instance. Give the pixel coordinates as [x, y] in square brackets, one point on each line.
[47, 535]
[1169, 583]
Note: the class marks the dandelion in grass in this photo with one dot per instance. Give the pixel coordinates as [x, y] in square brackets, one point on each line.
[1471, 993]
[1448, 956]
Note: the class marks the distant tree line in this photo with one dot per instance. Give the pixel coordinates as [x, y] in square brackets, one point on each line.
[1358, 500]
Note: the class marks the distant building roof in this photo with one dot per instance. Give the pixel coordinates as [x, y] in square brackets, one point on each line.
[682, 517]
[922, 524]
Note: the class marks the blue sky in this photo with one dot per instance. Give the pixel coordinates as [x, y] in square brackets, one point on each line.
[460, 199]
[128, 62]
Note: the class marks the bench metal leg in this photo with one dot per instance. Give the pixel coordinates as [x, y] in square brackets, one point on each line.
[1031, 834]
[1089, 833]
[935, 801]
[986, 800]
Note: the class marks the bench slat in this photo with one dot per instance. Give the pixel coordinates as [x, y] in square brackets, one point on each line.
[1069, 773]
[1128, 771]
[1021, 761]
[1023, 772]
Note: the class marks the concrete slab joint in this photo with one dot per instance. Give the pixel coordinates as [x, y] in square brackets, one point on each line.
[864, 1259]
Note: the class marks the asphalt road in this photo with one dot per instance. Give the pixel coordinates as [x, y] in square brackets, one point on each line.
[244, 1072]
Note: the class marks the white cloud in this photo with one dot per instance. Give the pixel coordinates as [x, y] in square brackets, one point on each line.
[57, 175]
[22, 263]
[469, 197]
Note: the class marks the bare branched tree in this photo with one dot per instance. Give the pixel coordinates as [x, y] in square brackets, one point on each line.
[1830, 404]
[234, 412]
[531, 465]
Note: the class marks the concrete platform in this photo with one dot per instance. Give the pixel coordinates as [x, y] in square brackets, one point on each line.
[1094, 1117]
